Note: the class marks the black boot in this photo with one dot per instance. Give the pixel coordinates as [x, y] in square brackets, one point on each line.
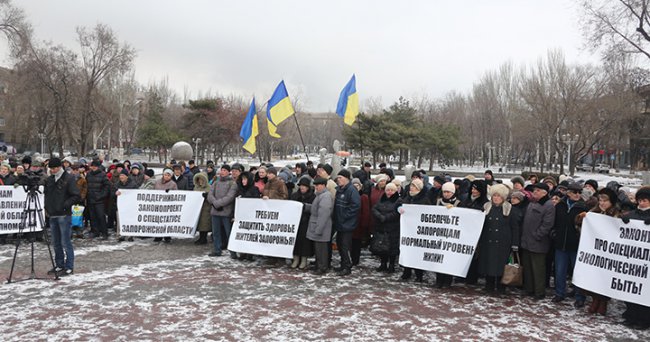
[419, 276]
[406, 274]
[203, 239]
[391, 265]
[383, 267]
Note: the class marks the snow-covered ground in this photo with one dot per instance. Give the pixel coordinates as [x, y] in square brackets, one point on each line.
[147, 291]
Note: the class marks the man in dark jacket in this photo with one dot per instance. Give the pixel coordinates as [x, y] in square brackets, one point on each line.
[179, 178]
[61, 192]
[346, 211]
[99, 189]
[536, 240]
[565, 237]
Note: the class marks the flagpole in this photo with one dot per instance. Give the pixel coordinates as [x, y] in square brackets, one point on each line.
[300, 134]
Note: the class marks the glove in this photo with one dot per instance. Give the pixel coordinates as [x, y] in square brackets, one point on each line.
[626, 220]
[166, 190]
[205, 195]
[647, 221]
[515, 248]
[449, 206]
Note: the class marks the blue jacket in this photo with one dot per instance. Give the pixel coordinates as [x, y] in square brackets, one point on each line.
[346, 208]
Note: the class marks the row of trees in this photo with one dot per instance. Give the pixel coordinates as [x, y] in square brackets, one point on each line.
[88, 98]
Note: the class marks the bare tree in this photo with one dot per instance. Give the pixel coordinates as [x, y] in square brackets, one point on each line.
[102, 55]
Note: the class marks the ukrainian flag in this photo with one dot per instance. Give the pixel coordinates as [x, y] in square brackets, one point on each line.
[348, 106]
[279, 108]
[249, 129]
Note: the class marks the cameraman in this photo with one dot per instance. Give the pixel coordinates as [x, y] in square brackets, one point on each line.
[61, 192]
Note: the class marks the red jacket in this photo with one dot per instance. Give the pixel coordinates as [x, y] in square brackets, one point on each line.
[362, 232]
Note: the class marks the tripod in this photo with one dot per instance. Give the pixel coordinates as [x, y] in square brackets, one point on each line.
[32, 214]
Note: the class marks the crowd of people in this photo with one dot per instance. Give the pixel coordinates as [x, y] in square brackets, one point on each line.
[541, 220]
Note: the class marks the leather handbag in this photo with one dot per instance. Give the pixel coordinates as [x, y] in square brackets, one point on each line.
[513, 272]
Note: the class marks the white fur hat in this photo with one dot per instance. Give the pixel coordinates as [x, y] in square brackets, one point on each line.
[449, 186]
[499, 189]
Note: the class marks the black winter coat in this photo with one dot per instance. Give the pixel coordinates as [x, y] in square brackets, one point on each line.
[500, 233]
[99, 187]
[303, 246]
[387, 220]
[181, 182]
[564, 233]
[61, 195]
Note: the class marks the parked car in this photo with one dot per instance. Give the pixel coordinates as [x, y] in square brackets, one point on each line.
[584, 167]
[601, 168]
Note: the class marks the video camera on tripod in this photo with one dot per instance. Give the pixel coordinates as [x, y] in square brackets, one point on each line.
[31, 219]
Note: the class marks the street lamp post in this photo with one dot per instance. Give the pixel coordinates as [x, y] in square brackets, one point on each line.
[196, 142]
[42, 137]
[489, 147]
[569, 140]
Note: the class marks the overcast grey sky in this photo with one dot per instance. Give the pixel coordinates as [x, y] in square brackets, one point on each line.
[245, 47]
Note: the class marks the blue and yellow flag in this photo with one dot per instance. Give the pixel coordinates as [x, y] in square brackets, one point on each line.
[348, 106]
[278, 109]
[249, 129]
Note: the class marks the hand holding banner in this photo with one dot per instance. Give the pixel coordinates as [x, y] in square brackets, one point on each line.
[156, 213]
[265, 227]
[613, 258]
[438, 239]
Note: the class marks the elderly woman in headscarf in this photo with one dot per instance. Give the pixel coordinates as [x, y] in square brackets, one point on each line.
[499, 237]
[202, 184]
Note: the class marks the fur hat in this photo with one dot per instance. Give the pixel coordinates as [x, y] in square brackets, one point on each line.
[613, 198]
[226, 166]
[418, 183]
[398, 183]
[304, 181]
[345, 173]
[541, 185]
[356, 181]
[54, 162]
[518, 179]
[593, 183]
[449, 186]
[328, 168]
[26, 160]
[391, 186]
[518, 195]
[500, 190]
[238, 166]
[439, 180]
[550, 179]
[149, 173]
[381, 177]
[470, 178]
[320, 181]
[642, 193]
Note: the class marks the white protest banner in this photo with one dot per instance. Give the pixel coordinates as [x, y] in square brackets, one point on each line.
[265, 227]
[12, 205]
[158, 213]
[613, 258]
[438, 239]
